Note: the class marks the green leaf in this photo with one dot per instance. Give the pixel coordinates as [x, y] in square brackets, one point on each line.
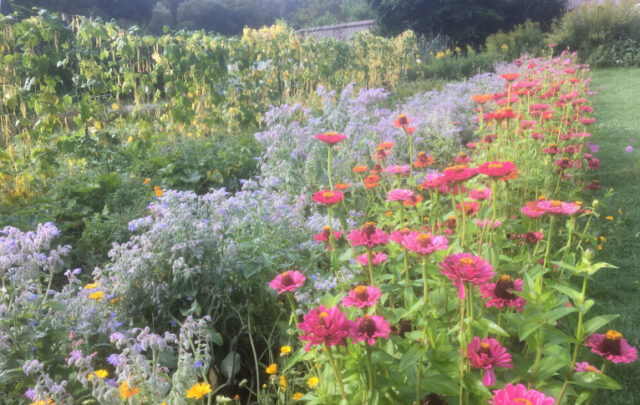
[593, 380]
[596, 323]
[490, 327]
[440, 384]
[410, 358]
[230, 365]
[569, 292]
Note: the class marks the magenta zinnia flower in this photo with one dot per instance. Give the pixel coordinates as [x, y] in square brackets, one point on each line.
[500, 293]
[398, 236]
[519, 395]
[397, 169]
[487, 354]
[458, 173]
[287, 281]
[612, 347]
[325, 325]
[487, 223]
[479, 195]
[583, 367]
[531, 210]
[325, 235]
[328, 197]
[424, 243]
[399, 194]
[369, 327]
[464, 267]
[362, 296]
[496, 169]
[331, 138]
[369, 236]
[557, 207]
[378, 257]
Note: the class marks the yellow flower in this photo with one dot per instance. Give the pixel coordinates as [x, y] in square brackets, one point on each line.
[99, 374]
[45, 402]
[440, 55]
[283, 383]
[98, 295]
[91, 286]
[298, 395]
[114, 300]
[388, 213]
[158, 191]
[272, 369]
[602, 238]
[199, 390]
[504, 47]
[312, 382]
[285, 350]
[599, 247]
[146, 181]
[609, 217]
[126, 391]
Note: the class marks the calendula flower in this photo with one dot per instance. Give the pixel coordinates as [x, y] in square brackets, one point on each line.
[487, 353]
[519, 395]
[362, 297]
[99, 374]
[96, 295]
[297, 396]
[158, 191]
[197, 391]
[283, 383]
[331, 138]
[146, 181]
[272, 369]
[612, 347]
[91, 286]
[287, 281]
[126, 391]
[285, 350]
[312, 382]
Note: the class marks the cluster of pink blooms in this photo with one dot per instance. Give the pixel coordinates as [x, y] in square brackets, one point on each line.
[535, 209]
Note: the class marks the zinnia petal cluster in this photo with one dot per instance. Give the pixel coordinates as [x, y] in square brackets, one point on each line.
[331, 138]
[369, 235]
[464, 267]
[287, 281]
[500, 293]
[368, 328]
[519, 395]
[487, 353]
[424, 243]
[322, 325]
[362, 297]
[328, 197]
[612, 347]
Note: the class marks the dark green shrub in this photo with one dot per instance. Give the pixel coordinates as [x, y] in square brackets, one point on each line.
[524, 38]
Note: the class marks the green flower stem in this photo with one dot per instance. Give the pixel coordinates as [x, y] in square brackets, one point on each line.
[548, 249]
[336, 373]
[461, 340]
[293, 308]
[425, 285]
[604, 365]
[370, 370]
[329, 167]
[579, 338]
[370, 258]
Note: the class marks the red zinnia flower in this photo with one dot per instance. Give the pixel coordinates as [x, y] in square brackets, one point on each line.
[398, 236]
[510, 76]
[331, 138]
[399, 194]
[362, 297]
[360, 169]
[424, 160]
[480, 194]
[531, 210]
[343, 186]
[369, 236]
[369, 327]
[325, 325]
[287, 281]
[500, 293]
[481, 98]
[583, 367]
[328, 197]
[532, 237]
[470, 207]
[461, 267]
[487, 354]
[612, 347]
[462, 158]
[496, 169]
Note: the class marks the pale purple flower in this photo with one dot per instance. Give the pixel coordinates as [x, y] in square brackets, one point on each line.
[629, 149]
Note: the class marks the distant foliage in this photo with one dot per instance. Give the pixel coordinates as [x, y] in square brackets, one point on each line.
[604, 33]
[523, 38]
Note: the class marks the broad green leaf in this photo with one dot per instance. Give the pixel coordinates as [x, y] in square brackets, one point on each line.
[593, 324]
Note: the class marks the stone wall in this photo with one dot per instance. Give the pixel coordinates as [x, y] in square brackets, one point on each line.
[339, 31]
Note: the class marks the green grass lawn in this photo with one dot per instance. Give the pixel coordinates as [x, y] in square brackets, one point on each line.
[617, 111]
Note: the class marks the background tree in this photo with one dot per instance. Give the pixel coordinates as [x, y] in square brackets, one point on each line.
[465, 21]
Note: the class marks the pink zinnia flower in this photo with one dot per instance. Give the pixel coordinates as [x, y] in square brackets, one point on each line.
[378, 257]
[496, 169]
[487, 354]
[434, 180]
[500, 293]
[480, 195]
[328, 197]
[557, 207]
[331, 138]
[424, 243]
[369, 327]
[519, 395]
[287, 281]
[470, 207]
[612, 347]
[458, 173]
[461, 267]
[369, 236]
[398, 236]
[531, 210]
[325, 236]
[397, 169]
[487, 223]
[399, 194]
[362, 297]
[325, 325]
[583, 367]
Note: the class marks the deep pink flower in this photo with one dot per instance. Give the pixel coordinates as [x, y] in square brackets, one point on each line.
[470, 207]
[398, 236]
[464, 267]
[434, 180]
[487, 223]
[500, 293]
[369, 327]
[481, 194]
[612, 347]
[325, 325]
[328, 197]
[487, 354]
[496, 169]
[532, 237]
[398, 169]
[557, 207]
[458, 173]
[287, 281]
[519, 395]
[583, 367]
[531, 210]
[378, 257]
[331, 138]
[424, 243]
[325, 235]
[362, 297]
[399, 194]
[369, 236]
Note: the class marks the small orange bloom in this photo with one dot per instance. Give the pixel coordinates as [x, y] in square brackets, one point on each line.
[386, 145]
[146, 181]
[342, 186]
[360, 169]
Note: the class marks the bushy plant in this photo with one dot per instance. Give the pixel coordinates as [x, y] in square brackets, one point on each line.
[523, 39]
[603, 33]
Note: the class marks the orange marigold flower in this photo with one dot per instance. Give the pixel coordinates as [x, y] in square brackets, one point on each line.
[126, 391]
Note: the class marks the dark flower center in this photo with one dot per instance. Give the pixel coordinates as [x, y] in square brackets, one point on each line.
[369, 229]
[611, 342]
[424, 239]
[367, 326]
[402, 119]
[485, 349]
[287, 280]
[361, 292]
[503, 286]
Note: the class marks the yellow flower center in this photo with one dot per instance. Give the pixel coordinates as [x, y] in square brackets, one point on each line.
[495, 165]
[522, 400]
[466, 261]
[556, 203]
[323, 315]
[591, 368]
[613, 335]
[424, 238]
[328, 194]
[505, 278]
